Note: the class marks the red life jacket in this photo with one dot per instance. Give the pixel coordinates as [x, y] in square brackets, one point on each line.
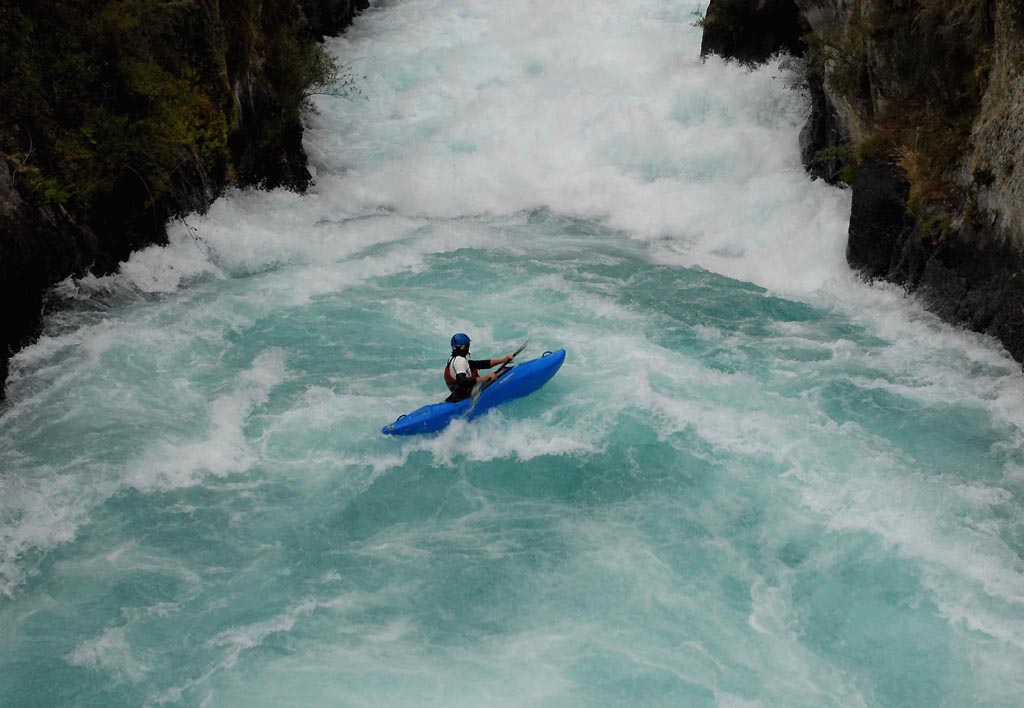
[449, 375]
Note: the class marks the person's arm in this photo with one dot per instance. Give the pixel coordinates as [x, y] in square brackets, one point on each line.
[488, 363]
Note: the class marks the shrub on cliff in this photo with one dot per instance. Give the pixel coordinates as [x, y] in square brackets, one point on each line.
[915, 72]
[106, 101]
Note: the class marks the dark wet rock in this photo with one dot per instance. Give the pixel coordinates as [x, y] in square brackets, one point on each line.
[823, 141]
[965, 264]
[879, 221]
[42, 244]
[39, 246]
[970, 280]
[967, 277]
[751, 31]
[329, 17]
[280, 162]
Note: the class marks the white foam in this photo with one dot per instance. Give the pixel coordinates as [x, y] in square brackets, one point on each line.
[110, 652]
[240, 639]
[224, 449]
[655, 143]
[493, 437]
[40, 512]
[478, 114]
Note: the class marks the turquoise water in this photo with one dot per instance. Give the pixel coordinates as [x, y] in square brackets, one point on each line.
[755, 482]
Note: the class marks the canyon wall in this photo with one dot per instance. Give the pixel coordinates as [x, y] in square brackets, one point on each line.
[918, 105]
[118, 115]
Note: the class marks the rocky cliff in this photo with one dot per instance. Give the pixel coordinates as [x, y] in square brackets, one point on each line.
[919, 106]
[116, 115]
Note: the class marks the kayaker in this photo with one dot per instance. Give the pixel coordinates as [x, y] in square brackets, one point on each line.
[461, 373]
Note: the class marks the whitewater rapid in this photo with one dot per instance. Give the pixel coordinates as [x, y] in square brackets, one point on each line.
[756, 481]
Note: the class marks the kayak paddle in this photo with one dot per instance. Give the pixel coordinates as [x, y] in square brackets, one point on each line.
[480, 387]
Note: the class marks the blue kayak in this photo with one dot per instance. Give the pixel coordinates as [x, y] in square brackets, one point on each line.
[515, 382]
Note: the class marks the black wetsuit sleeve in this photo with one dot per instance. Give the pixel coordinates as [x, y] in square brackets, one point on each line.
[480, 363]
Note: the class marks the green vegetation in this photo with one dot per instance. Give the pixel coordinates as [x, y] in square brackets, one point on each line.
[103, 96]
[1017, 15]
[915, 71]
[842, 155]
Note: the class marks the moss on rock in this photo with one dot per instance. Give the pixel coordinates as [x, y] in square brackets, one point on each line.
[117, 114]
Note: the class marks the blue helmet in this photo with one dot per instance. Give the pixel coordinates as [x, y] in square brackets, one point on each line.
[460, 340]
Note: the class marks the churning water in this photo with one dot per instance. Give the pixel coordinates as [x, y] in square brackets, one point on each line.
[755, 482]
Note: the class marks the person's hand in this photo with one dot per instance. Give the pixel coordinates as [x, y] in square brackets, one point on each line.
[508, 359]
